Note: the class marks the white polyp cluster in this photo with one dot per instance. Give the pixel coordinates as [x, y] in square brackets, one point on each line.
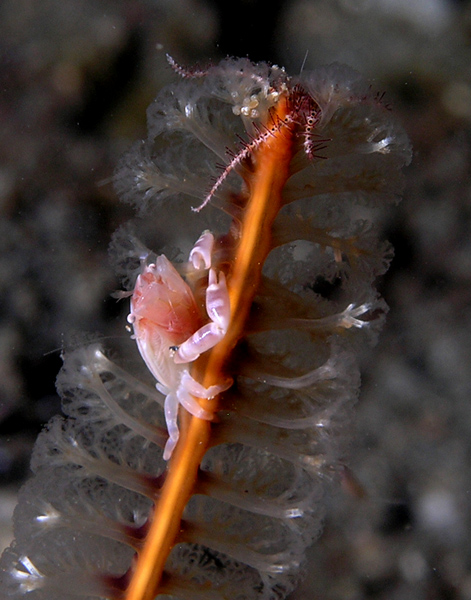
[250, 106]
[247, 107]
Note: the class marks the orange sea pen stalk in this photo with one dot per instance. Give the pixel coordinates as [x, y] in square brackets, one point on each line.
[272, 160]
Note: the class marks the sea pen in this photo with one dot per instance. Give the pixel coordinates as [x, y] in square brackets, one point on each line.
[286, 174]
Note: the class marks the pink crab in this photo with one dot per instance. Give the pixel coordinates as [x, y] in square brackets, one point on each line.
[170, 333]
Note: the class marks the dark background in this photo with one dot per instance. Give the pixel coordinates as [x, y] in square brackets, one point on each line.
[75, 81]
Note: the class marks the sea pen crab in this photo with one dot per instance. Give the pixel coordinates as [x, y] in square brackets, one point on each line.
[170, 333]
